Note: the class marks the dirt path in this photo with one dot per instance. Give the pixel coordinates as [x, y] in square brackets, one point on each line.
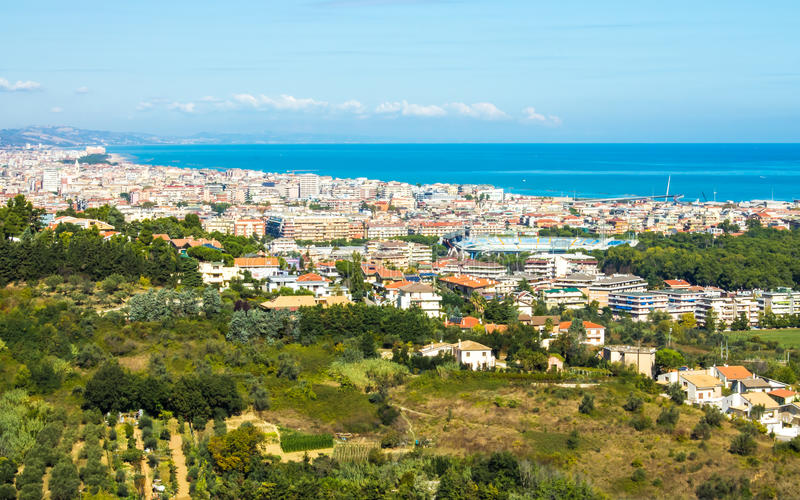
[415, 412]
[176, 446]
[148, 481]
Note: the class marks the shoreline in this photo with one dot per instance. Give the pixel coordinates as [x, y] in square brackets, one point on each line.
[514, 190]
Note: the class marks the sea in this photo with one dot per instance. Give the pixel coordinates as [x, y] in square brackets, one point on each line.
[704, 172]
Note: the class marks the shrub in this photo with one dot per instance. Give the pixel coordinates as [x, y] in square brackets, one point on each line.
[676, 393]
[641, 422]
[573, 440]
[633, 403]
[668, 418]
[587, 405]
[701, 431]
[743, 444]
[638, 476]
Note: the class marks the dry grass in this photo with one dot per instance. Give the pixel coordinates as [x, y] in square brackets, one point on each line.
[471, 422]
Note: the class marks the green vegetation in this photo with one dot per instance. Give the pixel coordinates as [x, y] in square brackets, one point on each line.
[297, 441]
[760, 258]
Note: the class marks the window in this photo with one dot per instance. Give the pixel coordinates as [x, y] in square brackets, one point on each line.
[484, 354]
[467, 354]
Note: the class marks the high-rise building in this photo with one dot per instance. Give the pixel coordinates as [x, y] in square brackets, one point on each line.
[51, 180]
[309, 186]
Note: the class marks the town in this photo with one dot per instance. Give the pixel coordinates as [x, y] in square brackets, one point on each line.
[395, 285]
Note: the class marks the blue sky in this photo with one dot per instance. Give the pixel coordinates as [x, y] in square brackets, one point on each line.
[470, 70]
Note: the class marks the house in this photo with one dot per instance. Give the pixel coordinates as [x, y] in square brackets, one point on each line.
[420, 296]
[393, 289]
[435, 349]
[215, 273]
[752, 399]
[81, 222]
[259, 267]
[783, 396]
[677, 284]
[569, 298]
[314, 283]
[476, 356]
[595, 334]
[465, 323]
[555, 363]
[525, 302]
[334, 300]
[467, 285]
[754, 384]
[289, 302]
[540, 322]
[701, 388]
[730, 373]
[643, 358]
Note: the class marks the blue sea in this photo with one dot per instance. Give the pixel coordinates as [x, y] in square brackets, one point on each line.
[698, 171]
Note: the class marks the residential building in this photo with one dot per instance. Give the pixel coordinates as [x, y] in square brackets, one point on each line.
[467, 285]
[259, 267]
[595, 334]
[602, 288]
[730, 373]
[701, 389]
[423, 297]
[642, 358]
[476, 356]
[215, 273]
[637, 304]
[781, 302]
[570, 298]
[249, 227]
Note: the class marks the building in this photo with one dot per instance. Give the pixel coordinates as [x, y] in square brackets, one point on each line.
[309, 227]
[280, 246]
[595, 334]
[385, 230]
[259, 267]
[701, 388]
[423, 297]
[82, 223]
[637, 304]
[781, 302]
[681, 301]
[642, 358]
[308, 186]
[467, 285]
[476, 356]
[315, 283]
[250, 227]
[602, 288]
[726, 309]
[730, 373]
[51, 180]
[289, 302]
[215, 273]
[570, 298]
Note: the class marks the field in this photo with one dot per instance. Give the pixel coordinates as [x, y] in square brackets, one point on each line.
[788, 338]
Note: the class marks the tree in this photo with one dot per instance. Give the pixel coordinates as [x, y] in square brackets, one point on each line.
[633, 403]
[19, 215]
[676, 393]
[109, 388]
[668, 359]
[233, 451]
[743, 444]
[212, 302]
[587, 405]
[64, 481]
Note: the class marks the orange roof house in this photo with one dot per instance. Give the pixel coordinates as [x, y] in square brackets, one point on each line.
[256, 262]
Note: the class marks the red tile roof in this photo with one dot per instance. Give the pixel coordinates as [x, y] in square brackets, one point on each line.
[734, 372]
[310, 277]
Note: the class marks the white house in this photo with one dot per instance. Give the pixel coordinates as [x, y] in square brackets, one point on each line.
[421, 296]
[314, 283]
[259, 267]
[215, 273]
[595, 334]
[476, 356]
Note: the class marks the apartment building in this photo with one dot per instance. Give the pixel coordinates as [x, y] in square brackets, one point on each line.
[603, 287]
[385, 230]
[570, 298]
[781, 301]
[637, 304]
[249, 227]
[423, 297]
[726, 308]
[309, 227]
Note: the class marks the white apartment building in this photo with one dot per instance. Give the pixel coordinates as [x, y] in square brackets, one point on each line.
[420, 296]
[781, 301]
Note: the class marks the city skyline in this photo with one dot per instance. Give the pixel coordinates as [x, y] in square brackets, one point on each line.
[408, 71]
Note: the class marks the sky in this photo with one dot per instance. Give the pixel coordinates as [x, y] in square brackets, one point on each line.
[408, 71]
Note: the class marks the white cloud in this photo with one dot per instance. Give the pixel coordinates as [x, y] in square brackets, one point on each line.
[56, 109]
[283, 102]
[479, 110]
[145, 106]
[82, 90]
[184, 107]
[18, 86]
[352, 106]
[531, 115]
[409, 109]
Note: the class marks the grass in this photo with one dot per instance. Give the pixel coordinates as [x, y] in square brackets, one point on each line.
[786, 337]
[365, 373]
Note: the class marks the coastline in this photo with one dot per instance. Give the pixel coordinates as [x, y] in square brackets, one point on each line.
[702, 173]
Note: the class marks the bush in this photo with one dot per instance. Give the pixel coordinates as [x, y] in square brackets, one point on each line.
[641, 422]
[8, 492]
[573, 440]
[743, 444]
[676, 393]
[638, 476]
[668, 418]
[587, 405]
[701, 431]
[633, 403]
[713, 416]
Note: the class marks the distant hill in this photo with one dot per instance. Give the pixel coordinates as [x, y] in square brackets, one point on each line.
[70, 136]
[75, 137]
